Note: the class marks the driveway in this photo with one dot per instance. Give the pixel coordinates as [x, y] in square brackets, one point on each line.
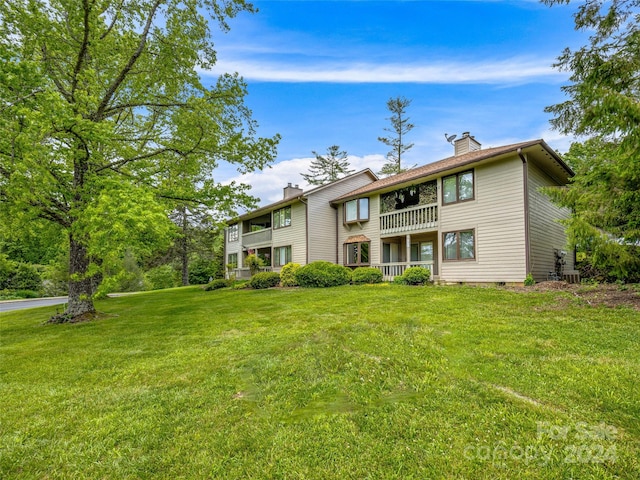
[8, 305]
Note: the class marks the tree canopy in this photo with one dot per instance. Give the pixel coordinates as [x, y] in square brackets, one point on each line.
[400, 127]
[604, 104]
[329, 167]
[106, 122]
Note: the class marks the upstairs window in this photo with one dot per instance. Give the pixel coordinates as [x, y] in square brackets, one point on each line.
[232, 233]
[458, 188]
[282, 217]
[356, 210]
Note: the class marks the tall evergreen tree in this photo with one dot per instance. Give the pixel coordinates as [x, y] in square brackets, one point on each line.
[604, 103]
[329, 167]
[400, 127]
[101, 107]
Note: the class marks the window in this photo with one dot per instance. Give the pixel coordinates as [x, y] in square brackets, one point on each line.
[232, 233]
[232, 260]
[282, 255]
[282, 217]
[357, 253]
[422, 252]
[356, 210]
[457, 188]
[459, 245]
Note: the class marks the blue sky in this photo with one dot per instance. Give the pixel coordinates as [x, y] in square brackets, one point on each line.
[320, 73]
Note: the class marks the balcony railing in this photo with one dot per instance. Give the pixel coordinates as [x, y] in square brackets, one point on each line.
[392, 270]
[256, 238]
[422, 217]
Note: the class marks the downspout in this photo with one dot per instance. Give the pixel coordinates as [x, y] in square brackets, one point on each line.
[525, 179]
[337, 234]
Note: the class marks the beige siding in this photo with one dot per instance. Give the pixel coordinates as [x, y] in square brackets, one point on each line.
[545, 232]
[497, 215]
[322, 217]
[233, 247]
[369, 229]
[294, 235]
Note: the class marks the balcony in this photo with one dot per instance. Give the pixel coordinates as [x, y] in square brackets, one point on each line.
[422, 217]
[259, 237]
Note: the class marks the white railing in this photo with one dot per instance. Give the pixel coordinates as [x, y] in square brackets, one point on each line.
[410, 219]
[244, 272]
[257, 237]
[392, 270]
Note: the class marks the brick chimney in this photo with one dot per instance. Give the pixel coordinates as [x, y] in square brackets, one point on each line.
[466, 144]
[292, 192]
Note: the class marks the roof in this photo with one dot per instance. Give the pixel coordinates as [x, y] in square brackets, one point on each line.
[288, 201]
[452, 163]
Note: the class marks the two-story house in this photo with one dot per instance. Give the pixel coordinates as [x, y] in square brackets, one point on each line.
[477, 217]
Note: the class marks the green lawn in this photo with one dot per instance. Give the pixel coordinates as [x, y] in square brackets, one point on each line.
[348, 383]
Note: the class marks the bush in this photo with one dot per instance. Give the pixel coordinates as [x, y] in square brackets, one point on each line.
[217, 284]
[399, 280]
[416, 276]
[253, 262]
[529, 281]
[264, 280]
[164, 276]
[201, 270]
[288, 275]
[322, 274]
[366, 275]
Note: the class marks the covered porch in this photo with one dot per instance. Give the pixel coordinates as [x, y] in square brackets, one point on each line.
[404, 251]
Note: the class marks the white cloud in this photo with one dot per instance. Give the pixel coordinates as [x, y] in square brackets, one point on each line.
[513, 70]
[268, 183]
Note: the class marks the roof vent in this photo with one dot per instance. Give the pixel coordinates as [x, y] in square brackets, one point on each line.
[465, 144]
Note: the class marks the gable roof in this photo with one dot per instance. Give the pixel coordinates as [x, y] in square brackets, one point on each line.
[288, 201]
[452, 163]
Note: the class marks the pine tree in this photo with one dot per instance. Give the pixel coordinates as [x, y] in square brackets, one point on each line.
[400, 127]
[329, 167]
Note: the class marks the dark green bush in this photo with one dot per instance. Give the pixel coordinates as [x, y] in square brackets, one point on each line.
[288, 275]
[416, 276]
[264, 280]
[322, 274]
[217, 284]
[399, 280]
[366, 275]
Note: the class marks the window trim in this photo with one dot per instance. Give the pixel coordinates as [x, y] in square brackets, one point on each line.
[233, 233]
[276, 258]
[273, 220]
[457, 234]
[359, 218]
[359, 263]
[457, 177]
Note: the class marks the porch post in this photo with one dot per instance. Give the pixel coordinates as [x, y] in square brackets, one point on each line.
[408, 249]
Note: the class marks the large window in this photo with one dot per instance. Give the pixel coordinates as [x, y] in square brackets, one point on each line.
[357, 254]
[232, 260]
[457, 188]
[356, 210]
[282, 217]
[459, 245]
[232, 233]
[282, 255]
[422, 252]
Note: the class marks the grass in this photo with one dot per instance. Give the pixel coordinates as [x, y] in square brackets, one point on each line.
[349, 382]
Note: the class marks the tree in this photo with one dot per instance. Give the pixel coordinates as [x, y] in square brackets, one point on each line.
[604, 103]
[400, 127]
[102, 109]
[328, 168]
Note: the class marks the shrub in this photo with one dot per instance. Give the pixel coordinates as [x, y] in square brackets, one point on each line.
[254, 263]
[399, 280]
[366, 275]
[416, 276]
[164, 276]
[288, 275]
[322, 274]
[201, 270]
[26, 277]
[529, 281]
[264, 280]
[217, 284]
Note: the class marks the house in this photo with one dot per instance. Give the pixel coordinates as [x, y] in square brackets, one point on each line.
[476, 217]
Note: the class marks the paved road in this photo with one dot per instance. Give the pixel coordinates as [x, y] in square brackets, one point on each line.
[8, 305]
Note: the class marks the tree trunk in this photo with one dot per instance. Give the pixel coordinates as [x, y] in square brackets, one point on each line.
[184, 248]
[80, 284]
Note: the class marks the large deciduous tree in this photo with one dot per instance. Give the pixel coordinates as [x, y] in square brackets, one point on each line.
[604, 104]
[400, 127]
[329, 167]
[102, 111]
